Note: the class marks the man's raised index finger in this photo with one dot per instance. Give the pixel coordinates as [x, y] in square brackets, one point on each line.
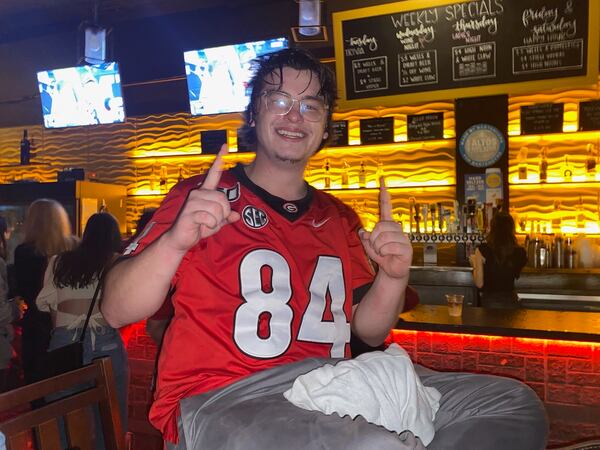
[385, 201]
[216, 169]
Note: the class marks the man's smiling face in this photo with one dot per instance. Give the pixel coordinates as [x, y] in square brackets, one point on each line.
[289, 137]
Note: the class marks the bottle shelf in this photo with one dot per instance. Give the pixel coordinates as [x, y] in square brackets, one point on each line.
[367, 190]
[171, 155]
[370, 148]
[24, 166]
[574, 134]
[555, 184]
[375, 189]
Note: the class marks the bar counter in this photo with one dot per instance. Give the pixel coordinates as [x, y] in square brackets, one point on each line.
[529, 323]
[556, 353]
[555, 289]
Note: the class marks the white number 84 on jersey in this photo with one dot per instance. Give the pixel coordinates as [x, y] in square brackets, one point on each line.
[327, 276]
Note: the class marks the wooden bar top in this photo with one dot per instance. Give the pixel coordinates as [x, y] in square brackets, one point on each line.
[532, 323]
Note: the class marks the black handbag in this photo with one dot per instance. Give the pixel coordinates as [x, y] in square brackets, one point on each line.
[68, 357]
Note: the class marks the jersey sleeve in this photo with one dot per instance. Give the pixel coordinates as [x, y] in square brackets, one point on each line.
[163, 218]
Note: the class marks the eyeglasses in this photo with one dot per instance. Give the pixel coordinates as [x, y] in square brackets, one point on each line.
[281, 103]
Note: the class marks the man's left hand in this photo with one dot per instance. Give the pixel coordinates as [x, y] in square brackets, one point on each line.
[387, 245]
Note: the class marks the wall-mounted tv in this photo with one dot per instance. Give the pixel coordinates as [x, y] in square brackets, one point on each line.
[83, 95]
[217, 78]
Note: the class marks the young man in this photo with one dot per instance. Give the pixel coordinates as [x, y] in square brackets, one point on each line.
[267, 273]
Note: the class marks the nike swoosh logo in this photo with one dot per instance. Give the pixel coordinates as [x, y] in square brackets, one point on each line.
[321, 223]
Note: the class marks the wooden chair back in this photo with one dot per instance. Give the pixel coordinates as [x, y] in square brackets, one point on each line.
[40, 428]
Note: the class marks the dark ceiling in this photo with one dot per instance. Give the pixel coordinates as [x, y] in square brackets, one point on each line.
[20, 19]
[147, 38]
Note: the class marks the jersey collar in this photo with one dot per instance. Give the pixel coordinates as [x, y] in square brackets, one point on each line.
[291, 210]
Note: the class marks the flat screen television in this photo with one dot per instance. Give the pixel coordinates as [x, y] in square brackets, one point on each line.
[217, 78]
[83, 95]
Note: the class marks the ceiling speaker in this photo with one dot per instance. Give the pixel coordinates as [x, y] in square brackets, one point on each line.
[95, 45]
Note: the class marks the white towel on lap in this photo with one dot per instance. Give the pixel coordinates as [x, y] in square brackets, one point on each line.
[382, 387]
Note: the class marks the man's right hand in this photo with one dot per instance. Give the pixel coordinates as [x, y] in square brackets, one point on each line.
[205, 211]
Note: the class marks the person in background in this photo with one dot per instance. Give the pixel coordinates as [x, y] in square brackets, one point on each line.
[142, 222]
[69, 285]
[47, 232]
[9, 311]
[497, 263]
[269, 274]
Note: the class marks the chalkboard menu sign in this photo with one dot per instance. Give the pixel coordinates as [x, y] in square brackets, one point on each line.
[542, 118]
[339, 133]
[589, 115]
[377, 131]
[242, 144]
[443, 49]
[425, 126]
[212, 140]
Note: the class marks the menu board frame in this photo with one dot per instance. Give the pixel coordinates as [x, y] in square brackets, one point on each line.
[588, 115]
[376, 66]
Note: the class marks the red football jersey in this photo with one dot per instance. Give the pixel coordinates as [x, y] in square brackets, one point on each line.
[273, 288]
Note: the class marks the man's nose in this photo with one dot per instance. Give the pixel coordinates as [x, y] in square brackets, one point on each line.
[294, 115]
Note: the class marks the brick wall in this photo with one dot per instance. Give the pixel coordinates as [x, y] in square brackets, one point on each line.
[142, 354]
[565, 375]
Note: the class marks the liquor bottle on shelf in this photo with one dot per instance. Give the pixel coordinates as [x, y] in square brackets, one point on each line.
[163, 180]
[558, 252]
[441, 212]
[345, 169]
[580, 214]
[567, 169]
[425, 215]
[362, 176]
[26, 144]
[411, 211]
[153, 178]
[180, 176]
[417, 218]
[479, 220]
[523, 223]
[557, 219]
[590, 162]
[543, 165]
[471, 224]
[522, 161]
[327, 178]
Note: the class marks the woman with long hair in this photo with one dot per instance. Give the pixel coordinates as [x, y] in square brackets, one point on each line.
[69, 285]
[47, 231]
[498, 263]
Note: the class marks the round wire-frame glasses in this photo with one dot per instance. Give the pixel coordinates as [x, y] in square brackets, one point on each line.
[280, 103]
